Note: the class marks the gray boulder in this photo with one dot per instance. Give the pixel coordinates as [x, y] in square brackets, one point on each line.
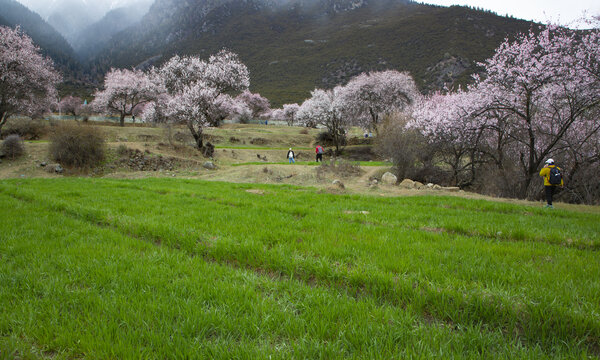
[209, 165]
[389, 178]
[407, 184]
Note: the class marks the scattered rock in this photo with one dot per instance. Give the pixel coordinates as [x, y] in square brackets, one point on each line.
[389, 178]
[419, 185]
[43, 164]
[54, 168]
[337, 183]
[209, 165]
[407, 184]
[436, 187]
[429, 185]
[143, 161]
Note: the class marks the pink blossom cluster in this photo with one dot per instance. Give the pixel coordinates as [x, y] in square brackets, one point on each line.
[124, 90]
[198, 92]
[27, 80]
[538, 97]
[368, 96]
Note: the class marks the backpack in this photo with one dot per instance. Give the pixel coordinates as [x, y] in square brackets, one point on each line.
[555, 177]
[319, 149]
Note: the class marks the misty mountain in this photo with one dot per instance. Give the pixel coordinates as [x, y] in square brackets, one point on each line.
[293, 46]
[51, 43]
[72, 17]
[91, 40]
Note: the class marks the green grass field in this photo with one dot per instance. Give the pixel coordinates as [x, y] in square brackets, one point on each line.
[169, 268]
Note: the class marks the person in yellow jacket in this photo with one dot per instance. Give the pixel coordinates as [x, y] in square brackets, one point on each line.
[552, 175]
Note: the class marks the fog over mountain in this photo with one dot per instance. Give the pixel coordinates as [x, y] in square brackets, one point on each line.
[97, 8]
[71, 17]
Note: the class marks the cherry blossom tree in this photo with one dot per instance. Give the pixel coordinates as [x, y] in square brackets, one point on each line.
[451, 124]
[71, 105]
[326, 108]
[124, 90]
[289, 113]
[539, 98]
[537, 90]
[257, 104]
[27, 80]
[369, 96]
[199, 91]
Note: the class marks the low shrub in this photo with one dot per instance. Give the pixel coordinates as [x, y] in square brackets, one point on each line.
[12, 147]
[77, 146]
[325, 138]
[27, 129]
[122, 150]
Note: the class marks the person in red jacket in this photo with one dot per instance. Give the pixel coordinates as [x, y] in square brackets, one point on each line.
[552, 175]
[319, 152]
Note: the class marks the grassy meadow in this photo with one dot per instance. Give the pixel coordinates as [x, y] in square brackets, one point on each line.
[183, 268]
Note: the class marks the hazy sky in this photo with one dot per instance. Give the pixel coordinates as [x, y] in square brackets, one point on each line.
[561, 11]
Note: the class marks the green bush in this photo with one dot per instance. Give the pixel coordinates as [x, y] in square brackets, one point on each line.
[77, 146]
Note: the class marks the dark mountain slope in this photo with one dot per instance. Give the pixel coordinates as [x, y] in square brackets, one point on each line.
[293, 47]
[51, 43]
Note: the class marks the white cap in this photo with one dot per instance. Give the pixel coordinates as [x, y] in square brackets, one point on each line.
[550, 161]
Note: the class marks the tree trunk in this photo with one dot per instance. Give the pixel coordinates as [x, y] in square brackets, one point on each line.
[197, 134]
[374, 121]
[3, 119]
[122, 119]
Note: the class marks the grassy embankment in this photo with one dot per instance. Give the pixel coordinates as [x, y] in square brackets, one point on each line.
[164, 268]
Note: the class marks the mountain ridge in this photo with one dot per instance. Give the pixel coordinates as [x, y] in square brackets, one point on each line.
[291, 47]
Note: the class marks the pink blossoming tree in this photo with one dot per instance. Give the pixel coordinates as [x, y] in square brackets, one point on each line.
[370, 96]
[124, 90]
[326, 108]
[257, 104]
[72, 105]
[539, 98]
[538, 90]
[199, 91]
[27, 80]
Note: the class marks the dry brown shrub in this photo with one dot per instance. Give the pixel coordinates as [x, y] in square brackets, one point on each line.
[12, 147]
[77, 146]
[27, 129]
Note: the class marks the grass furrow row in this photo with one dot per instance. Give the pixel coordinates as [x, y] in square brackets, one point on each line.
[70, 289]
[454, 301]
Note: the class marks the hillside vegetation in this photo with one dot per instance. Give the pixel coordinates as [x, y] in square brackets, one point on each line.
[291, 49]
